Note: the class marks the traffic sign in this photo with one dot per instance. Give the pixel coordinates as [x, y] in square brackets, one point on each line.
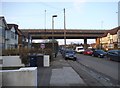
[42, 46]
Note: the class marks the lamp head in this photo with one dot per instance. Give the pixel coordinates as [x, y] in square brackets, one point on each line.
[54, 16]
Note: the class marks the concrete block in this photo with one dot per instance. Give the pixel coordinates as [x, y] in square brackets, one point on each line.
[0, 79]
[22, 77]
[11, 61]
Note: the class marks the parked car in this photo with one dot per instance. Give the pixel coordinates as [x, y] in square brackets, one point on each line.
[70, 54]
[88, 52]
[61, 50]
[93, 49]
[99, 53]
[113, 55]
[79, 49]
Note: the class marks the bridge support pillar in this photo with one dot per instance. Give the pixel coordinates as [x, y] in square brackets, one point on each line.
[85, 43]
[98, 43]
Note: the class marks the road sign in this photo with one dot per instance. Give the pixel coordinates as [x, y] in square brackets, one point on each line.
[42, 46]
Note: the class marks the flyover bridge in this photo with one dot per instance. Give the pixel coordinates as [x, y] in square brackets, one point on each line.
[61, 34]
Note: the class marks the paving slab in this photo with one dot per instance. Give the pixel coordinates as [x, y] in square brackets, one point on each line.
[59, 74]
[44, 75]
[65, 76]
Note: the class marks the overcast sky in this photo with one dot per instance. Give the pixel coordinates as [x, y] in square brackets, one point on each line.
[80, 14]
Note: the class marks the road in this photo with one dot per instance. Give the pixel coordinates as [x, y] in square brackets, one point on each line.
[103, 70]
[102, 65]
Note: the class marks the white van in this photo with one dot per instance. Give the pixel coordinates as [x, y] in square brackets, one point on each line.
[79, 49]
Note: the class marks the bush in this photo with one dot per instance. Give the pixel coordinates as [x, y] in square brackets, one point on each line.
[24, 55]
[25, 52]
[11, 52]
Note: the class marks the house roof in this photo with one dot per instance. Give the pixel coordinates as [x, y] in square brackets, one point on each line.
[4, 21]
[112, 31]
[12, 25]
[16, 28]
[2, 17]
[9, 26]
[19, 32]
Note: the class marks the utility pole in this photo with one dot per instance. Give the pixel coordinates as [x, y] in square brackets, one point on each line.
[45, 24]
[101, 24]
[64, 30]
[45, 20]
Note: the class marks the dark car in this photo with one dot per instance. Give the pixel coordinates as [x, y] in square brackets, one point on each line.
[88, 52]
[113, 55]
[99, 53]
[70, 54]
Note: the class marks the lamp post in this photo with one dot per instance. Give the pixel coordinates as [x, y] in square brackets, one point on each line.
[53, 31]
[64, 31]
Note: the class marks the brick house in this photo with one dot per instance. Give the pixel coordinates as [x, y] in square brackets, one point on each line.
[111, 39]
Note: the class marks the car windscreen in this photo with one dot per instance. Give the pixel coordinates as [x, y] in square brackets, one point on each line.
[72, 52]
[100, 51]
[80, 48]
[114, 52]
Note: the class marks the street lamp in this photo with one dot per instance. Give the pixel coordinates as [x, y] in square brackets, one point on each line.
[53, 21]
[53, 31]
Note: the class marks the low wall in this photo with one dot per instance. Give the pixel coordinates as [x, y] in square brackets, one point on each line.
[22, 77]
[11, 61]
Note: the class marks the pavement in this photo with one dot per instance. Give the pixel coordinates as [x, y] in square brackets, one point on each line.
[60, 73]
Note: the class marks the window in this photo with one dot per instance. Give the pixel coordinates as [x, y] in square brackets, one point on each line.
[12, 34]
[15, 36]
[111, 40]
[2, 46]
[0, 31]
[3, 32]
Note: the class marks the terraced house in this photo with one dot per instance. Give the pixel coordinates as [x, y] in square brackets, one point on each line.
[11, 36]
[111, 39]
[3, 27]
[8, 35]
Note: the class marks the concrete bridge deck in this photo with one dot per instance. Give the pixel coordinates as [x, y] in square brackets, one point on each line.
[59, 33]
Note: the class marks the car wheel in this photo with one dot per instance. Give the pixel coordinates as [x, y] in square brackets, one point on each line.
[65, 58]
[109, 58]
[74, 59]
[99, 56]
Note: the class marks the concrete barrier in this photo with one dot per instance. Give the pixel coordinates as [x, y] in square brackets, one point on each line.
[1, 62]
[0, 79]
[22, 77]
[11, 61]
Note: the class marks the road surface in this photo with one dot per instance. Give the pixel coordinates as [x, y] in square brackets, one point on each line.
[101, 69]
